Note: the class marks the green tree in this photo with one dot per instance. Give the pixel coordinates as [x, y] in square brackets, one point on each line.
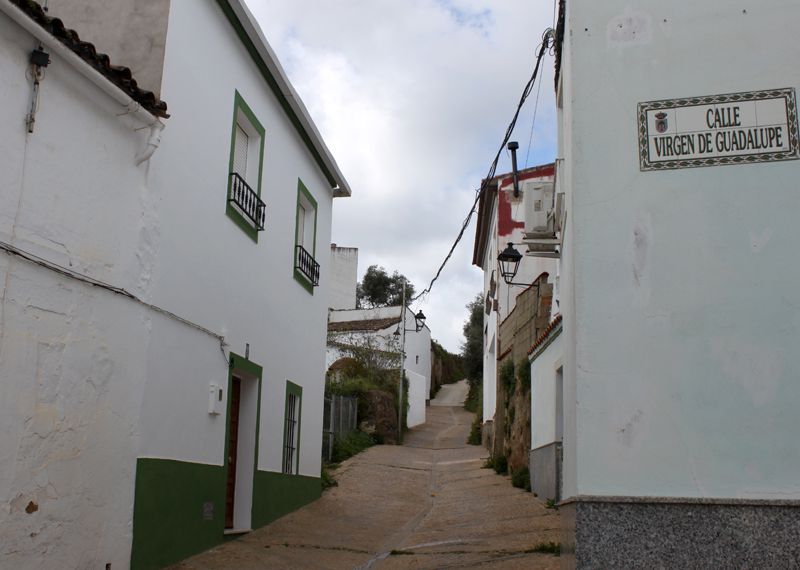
[379, 289]
[472, 347]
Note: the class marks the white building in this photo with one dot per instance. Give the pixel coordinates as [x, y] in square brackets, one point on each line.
[679, 139]
[376, 330]
[501, 220]
[119, 405]
[547, 412]
[344, 277]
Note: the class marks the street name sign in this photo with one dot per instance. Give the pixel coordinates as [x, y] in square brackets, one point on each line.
[737, 128]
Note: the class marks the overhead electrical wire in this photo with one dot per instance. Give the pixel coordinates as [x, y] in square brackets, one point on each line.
[533, 123]
[547, 41]
[66, 272]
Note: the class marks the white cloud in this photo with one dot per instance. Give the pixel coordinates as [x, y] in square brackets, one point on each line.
[413, 99]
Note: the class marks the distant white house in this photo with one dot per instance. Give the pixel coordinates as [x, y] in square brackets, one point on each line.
[501, 220]
[344, 277]
[163, 318]
[377, 330]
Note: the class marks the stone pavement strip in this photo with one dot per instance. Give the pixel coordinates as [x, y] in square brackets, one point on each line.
[428, 504]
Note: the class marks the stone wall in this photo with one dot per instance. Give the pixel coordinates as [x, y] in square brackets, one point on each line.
[518, 332]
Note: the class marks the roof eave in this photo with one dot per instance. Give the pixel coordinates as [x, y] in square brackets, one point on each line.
[339, 185]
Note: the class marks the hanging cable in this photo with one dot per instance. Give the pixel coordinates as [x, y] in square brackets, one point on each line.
[533, 123]
[547, 41]
[66, 272]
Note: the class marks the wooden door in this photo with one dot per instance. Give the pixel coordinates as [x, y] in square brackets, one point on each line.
[233, 437]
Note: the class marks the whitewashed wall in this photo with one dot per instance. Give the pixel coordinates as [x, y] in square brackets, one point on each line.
[417, 395]
[211, 271]
[543, 393]
[681, 306]
[344, 277]
[490, 321]
[71, 355]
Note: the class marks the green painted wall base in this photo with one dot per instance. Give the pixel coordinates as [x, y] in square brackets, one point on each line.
[276, 494]
[168, 511]
[171, 518]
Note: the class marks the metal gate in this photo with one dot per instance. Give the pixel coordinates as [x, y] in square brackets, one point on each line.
[340, 417]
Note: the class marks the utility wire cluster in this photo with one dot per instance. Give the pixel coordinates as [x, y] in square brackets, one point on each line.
[548, 39]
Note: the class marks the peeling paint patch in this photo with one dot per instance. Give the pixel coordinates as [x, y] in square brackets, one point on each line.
[506, 223]
[630, 29]
[627, 433]
[639, 252]
[759, 240]
[31, 508]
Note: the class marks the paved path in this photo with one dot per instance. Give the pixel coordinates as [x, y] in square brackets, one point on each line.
[451, 394]
[425, 505]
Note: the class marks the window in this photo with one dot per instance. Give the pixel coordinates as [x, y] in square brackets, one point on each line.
[306, 268]
[244, 205]
[291, 430]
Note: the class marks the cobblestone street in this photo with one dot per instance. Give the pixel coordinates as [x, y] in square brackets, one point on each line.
[425, 505]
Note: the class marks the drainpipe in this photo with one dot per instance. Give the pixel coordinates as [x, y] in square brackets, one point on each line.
[152, 142]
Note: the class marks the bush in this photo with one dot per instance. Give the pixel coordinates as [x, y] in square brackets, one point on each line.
[499, 464]
[524, 375]
[507, 379]
[475, 432]
[353, 443]
[548, 547]
[521, 479]
[327, 479]
[474, 401]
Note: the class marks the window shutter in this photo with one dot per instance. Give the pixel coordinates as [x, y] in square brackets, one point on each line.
[240, 152]
[301, 225]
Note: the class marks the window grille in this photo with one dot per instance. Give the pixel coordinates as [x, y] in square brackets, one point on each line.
[291, 433]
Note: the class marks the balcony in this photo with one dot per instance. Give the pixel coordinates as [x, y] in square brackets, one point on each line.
[247, 201]
[305, 263]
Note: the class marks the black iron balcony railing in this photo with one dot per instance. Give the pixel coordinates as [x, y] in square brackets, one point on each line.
[305, 262]
[247, 201]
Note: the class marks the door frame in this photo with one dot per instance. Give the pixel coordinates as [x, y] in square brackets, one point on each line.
[249, 374]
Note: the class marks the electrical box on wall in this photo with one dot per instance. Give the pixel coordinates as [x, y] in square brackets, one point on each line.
[214, 399]
[538, 203]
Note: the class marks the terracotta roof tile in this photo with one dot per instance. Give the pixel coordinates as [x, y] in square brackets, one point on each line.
[118, 75]
[363, 325]
[543, 337]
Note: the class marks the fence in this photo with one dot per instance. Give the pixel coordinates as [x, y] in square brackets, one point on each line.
[340, 417]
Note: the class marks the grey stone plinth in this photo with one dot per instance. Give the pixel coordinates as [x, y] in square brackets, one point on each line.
[545, 467]
[655, 533]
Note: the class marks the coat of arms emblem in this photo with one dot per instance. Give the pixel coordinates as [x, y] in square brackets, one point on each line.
[661, 122]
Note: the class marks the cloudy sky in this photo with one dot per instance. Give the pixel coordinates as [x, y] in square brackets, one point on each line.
[413, 98]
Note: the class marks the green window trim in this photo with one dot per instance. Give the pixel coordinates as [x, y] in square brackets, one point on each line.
[240, 107]
[304, 195]
[295, 390]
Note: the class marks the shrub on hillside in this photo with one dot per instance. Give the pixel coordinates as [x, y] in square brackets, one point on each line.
[521, 478]
[353, 443]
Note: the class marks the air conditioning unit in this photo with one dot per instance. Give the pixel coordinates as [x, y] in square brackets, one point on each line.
[537, 202]
[544, 220]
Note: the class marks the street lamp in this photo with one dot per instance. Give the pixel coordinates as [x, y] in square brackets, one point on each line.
[419, 322]
[509, 260]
